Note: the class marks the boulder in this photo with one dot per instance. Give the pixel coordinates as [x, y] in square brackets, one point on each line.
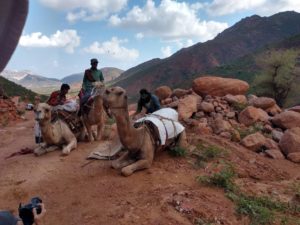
[187, 106]
[236, 99]
[276, 135]
[263, 102]
[206, 107]
[273, 110]
[290, 141]
[204, 129]
[295, 108]
[179, 93]
[218, 86]
[254, 141]
[251, 115]
[287, 119]
[219, 125]
[271, 144]
[294, 157]
[163, 92]
[274, 154]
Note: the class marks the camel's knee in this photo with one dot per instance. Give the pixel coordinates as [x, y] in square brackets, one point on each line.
[127, 171]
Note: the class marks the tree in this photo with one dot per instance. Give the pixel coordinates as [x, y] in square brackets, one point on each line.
[279, 72]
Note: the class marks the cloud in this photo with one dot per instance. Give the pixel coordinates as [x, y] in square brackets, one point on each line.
[67, 39]
[170, 20]
[113, 49]
[166, 51]
[87, 10]
[261, 7]
[139, 36]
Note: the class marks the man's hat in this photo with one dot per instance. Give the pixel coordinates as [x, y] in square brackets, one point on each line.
[94, 60]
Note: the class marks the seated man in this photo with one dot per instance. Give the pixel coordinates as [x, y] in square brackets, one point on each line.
[148, 101]
[59, 97]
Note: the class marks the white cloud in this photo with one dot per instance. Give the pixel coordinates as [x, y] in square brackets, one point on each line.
[261, 7]
[170, 20]
[87, 10]
[139, 36]
[55, 63]
[67, 39]
[113, 49]
[166, 51]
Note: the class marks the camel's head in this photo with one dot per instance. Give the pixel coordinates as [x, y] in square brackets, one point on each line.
[115, 97]
[98, 89]
[43, 112]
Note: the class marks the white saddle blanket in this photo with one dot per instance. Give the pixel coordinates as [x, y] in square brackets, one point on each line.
[166, 121]
[70, 106]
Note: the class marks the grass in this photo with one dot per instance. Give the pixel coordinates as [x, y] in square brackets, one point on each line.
[199, 221]
[257, 127]
[223, 179]
[239, 106]
[206, 152]
[177, 151]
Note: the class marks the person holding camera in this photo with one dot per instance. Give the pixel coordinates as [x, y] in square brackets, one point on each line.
[28, 216]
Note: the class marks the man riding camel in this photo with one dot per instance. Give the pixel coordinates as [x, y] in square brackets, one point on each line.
[59, 97]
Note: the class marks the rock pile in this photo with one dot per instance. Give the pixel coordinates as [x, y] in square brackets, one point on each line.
[218, 106]
[8, 112]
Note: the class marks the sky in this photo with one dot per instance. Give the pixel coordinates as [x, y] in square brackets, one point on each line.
[61, 36]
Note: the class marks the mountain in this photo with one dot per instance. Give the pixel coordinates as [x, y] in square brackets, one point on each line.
[109, 73]
[245, 37]
[13, 89]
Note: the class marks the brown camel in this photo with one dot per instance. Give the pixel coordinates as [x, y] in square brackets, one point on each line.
[55, 134]
[96, 115]
[137, 141]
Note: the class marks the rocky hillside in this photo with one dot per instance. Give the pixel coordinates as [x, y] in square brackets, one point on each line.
[245, 37]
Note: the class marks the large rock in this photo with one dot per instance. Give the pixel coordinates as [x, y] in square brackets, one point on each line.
[290, 141]
[179, 93]
[163, 92]
[254, 142]
[273, 110]
[295, 108]
[236, 99]
[274, 154]
[218, 86]
[251, 115]
[294, 157]
[187, 106]
[206, 107]
[263, 102]
[287, 119]
[219, 125]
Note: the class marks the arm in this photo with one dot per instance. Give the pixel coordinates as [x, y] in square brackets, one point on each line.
[156, 103]
[38, 217]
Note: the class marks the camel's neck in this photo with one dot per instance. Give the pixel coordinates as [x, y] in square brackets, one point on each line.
[45, 126]
[126, 131]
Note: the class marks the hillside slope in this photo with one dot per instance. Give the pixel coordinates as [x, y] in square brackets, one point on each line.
[243, 38]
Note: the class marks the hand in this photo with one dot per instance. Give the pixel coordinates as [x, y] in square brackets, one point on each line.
[38, 217]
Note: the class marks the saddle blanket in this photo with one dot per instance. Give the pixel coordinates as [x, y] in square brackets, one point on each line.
[166, 121]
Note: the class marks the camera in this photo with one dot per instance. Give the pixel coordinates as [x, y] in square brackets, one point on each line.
[26, 211]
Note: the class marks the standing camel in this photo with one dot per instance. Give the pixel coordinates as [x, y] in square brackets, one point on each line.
[137, 141]
[95, 113]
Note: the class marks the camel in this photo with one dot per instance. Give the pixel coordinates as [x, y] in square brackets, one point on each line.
[137, 141]
[96, 115]
[55, 134]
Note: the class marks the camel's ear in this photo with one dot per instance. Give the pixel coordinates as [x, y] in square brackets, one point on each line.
[107, 92]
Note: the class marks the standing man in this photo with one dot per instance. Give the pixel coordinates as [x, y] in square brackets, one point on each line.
[90, 76]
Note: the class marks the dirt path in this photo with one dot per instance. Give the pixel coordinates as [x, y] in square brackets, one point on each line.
[168, 193]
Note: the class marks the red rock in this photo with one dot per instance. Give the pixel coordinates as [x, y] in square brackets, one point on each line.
[263, 102]
[206, 107]
[274, 154]
[287, 119]
[163, 92]
[294, 157]
[251, 115]
[254, 141]
[232, 99]
[179, 93]
[218, 86]
[219, 125]
[295, 108]
[187, 106]
[290, 141]
[273, 110]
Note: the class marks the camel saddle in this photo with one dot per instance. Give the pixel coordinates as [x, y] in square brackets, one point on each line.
[70, 118]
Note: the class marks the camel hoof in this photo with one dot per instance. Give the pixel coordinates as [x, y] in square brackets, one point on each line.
[39, 152]
[66, 152]
[126, 172]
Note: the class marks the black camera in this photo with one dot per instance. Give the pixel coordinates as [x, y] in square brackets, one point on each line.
[26, 213]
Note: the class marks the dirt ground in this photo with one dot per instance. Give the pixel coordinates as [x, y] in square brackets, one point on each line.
[96, 194]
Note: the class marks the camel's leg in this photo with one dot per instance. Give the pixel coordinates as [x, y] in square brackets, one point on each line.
[44, 149]
[182, 142]
[90, 132]
[123, 161]
[71, 145]
[99, 131]
[147, 155]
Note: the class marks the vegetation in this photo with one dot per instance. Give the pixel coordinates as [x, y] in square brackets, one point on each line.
[177, 151]
[12, 89]
[278, 74]
[257, 127]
